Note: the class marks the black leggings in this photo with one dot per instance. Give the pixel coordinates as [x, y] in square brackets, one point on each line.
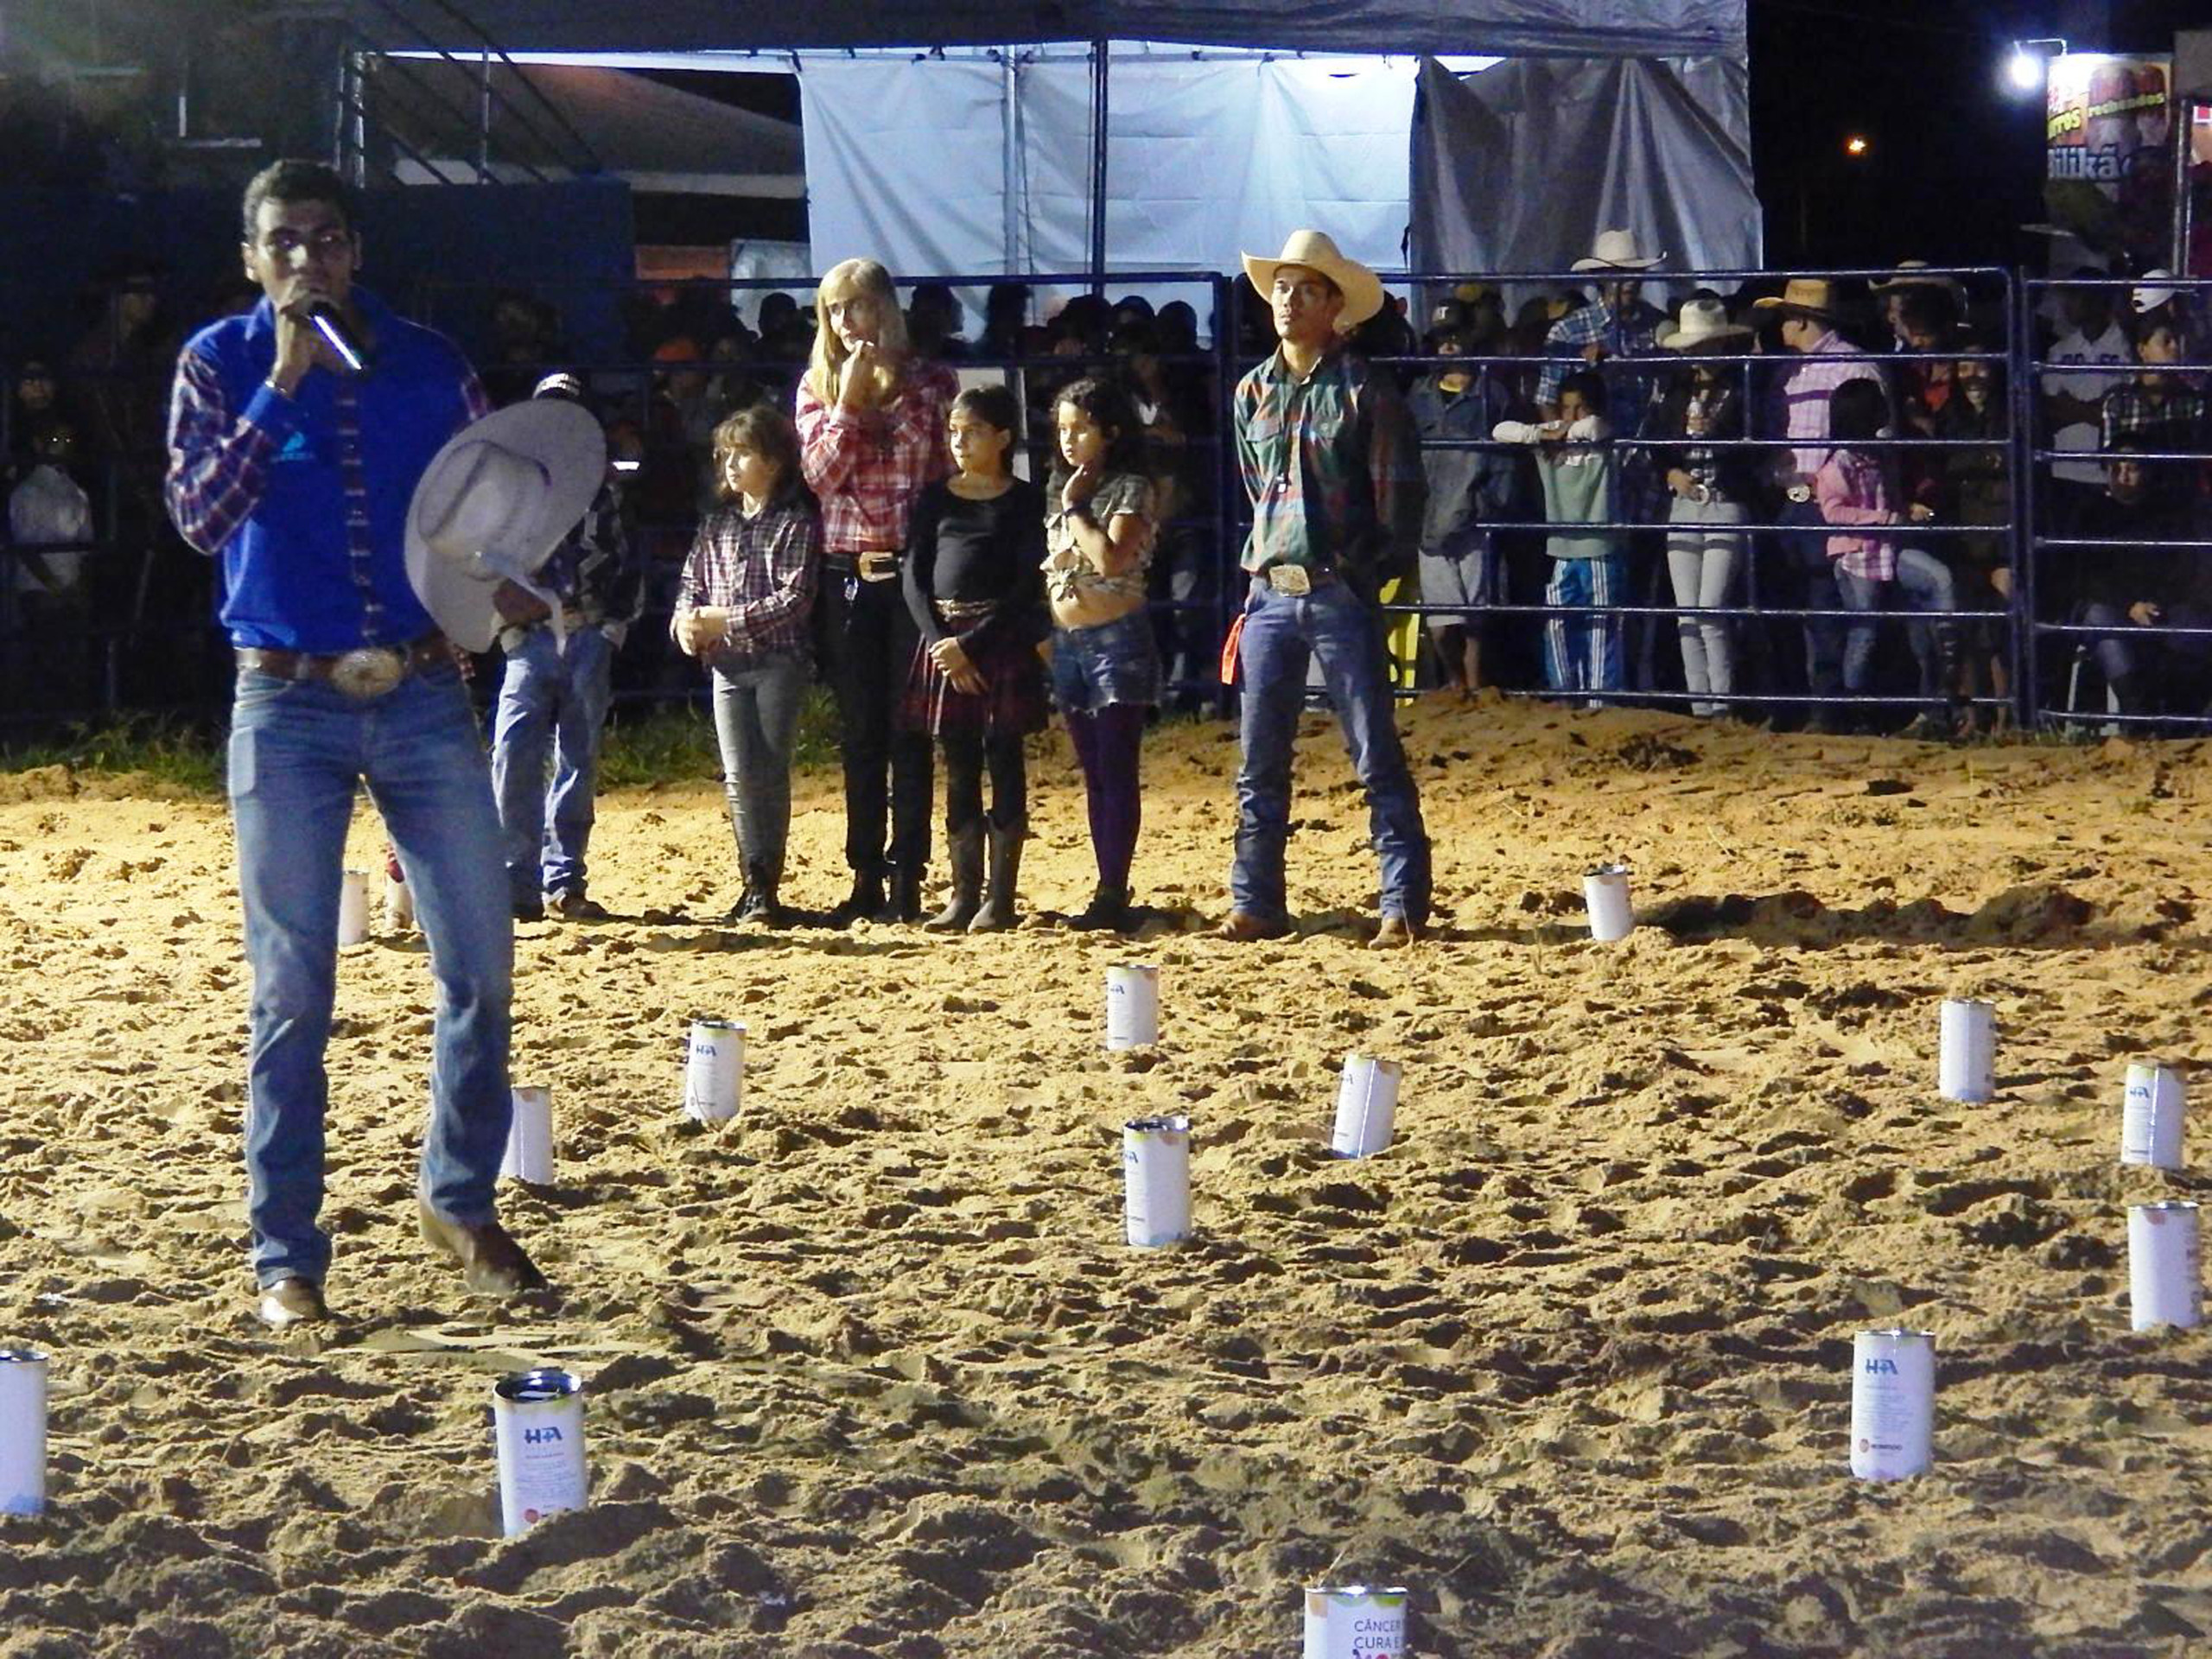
[967, 755]
[867, 640]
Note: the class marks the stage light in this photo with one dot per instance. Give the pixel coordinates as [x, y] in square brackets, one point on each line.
[2025, 68]
[1856, 147]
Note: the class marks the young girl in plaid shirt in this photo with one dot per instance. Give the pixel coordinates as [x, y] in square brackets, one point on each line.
[743, 605]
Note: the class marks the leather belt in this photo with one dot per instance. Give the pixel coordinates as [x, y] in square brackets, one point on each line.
[368, 672]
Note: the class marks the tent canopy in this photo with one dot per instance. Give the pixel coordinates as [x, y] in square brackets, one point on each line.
[1548, 27]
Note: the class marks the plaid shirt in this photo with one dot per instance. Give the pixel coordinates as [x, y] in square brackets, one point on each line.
[2173, 425]
[1636, 334]
[1853, 489]
[867, 466]
[1331, 466]
[764, 569]
[1830, 362]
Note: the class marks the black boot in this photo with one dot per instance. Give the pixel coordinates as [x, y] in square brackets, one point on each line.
[759, 905]
[965, 846]
[997, 914]
[742, 910]
[1109, 911]
[864, 903]
[905, 904]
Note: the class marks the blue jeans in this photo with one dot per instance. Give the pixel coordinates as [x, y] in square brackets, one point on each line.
[298, 750]
[756, 717]
[1817, 591]
[1925, 581]
[548, 696]
[1282, 634]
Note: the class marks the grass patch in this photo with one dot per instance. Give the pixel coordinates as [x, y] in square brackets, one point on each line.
[178, 754]
[675, 743]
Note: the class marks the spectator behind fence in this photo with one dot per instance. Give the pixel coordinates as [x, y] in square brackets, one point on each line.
[1468, 489]
[974, 586]
[1615, 324]
[2137, 583]
[1709, 492]
[1856, 490]
[1974, 487]
[1176, 416]
[2073, 402]
[1805, 312]
[50, 523]
[745, 608]
[553, 693]
[872, 438]
[1582, 652]
[933, 323]
[1943, 301]
[2158, 412]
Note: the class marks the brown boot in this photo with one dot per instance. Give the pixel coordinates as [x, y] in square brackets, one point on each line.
[965, 846]
[997, 914]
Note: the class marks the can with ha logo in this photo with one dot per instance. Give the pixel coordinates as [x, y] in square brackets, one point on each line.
[714, 1076]
[1156, 1180]
[2153, 1107]
[537, 1423]
[1892, 1403]
[1358, 1621]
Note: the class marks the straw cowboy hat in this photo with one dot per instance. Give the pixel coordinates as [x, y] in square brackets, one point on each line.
[494, 504]
[1913, 273]
[1806, 296]
[1617, 251]
[1703, 322]
[1316, 250]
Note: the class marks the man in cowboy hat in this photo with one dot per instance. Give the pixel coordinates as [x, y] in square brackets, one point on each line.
[298, 474]
[1617, 324]
[1332, 467]
[1806, 306]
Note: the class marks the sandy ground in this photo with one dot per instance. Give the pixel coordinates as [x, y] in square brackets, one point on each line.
[871, 1373]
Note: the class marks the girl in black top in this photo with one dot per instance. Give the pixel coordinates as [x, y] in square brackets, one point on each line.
[973, 584]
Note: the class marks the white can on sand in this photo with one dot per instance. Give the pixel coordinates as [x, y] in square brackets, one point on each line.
[1367, 1106]
[714, 1076]
[1892, 1403]
[1131, 1004]
[1156, 1180]
[537, 1423]
[1359, 1621]
[22, 1431]
[2165, 1277]
[1605, 892]
[1967, 1060]
[2151, 1110]
[398, 904]
[530, 1138]
[354, 908]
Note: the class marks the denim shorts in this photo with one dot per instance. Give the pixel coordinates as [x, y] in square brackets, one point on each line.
[1116, 662]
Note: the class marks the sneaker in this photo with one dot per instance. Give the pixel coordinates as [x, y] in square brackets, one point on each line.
[574, 906]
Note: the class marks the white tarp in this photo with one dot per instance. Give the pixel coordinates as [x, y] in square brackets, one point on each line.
[952, 166]
[1518, 168]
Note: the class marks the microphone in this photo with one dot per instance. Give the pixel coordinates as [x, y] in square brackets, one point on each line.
[329, 321]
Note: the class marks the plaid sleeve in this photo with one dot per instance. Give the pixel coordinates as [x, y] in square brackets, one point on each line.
[219, 462]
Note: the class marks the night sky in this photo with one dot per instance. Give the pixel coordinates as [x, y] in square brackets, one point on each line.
[1954, 163]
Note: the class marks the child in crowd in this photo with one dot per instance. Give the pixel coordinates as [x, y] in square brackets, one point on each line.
[974, 583]
[1582, 652]
[1855, 490]
[745, 608]
[1099, 527]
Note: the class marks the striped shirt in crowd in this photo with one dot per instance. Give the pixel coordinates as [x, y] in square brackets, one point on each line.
[868, 465]
[764, 570]
[1831, 362]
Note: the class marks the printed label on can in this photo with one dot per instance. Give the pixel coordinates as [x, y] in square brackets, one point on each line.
[1966, 1065]
[539, 1423]
[1131, 1005]
[713, 1073]
[2152, 1110]
[2166, 1274]
[1892, 1403]
[1156, 1180]
[1355, 1623]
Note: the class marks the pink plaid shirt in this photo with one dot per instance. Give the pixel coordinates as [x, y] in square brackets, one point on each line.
[1853, 489]
[867, 468]
[1805, 394]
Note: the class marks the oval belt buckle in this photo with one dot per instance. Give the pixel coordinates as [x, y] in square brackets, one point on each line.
[369, 672]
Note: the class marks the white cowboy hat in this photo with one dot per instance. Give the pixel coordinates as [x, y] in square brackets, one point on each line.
[1316, 250]
[1617, 251]
[494, 504]
[1702, 321]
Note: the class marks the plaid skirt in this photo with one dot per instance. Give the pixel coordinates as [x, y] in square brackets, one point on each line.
[1011, 704]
